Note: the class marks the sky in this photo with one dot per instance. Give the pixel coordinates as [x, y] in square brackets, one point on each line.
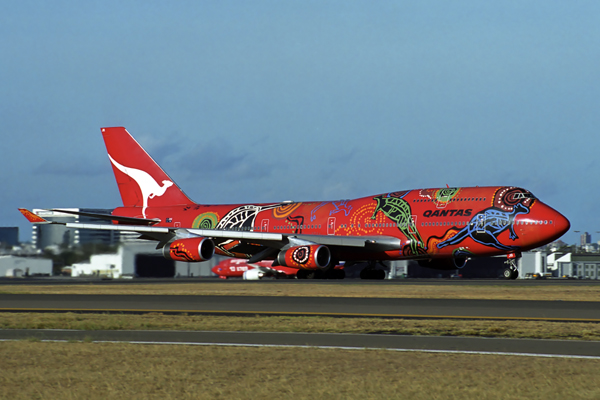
[264, 101]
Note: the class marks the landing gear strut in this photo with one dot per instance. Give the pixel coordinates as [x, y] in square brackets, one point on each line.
[370, 272]
[330, 273]
[511, 271]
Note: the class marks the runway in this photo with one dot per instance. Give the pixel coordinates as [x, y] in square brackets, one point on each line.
[571, 311]
[462, 345]
[313, 306]
[66, 281]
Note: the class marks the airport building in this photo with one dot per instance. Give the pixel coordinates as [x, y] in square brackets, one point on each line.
[579, 266]
[16, 267]
[52, 235]
[9, 236]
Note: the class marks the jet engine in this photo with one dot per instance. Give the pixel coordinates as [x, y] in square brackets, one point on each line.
[192, 249]
[253, 274]
[445, 263]
[314, 256]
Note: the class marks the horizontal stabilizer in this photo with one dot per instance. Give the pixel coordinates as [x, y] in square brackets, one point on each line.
[33, 218]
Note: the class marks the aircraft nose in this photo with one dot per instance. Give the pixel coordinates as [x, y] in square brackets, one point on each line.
[561, 224]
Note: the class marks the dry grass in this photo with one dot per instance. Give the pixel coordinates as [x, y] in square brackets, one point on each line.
[506, 291]
[33, 370]
[508, 329]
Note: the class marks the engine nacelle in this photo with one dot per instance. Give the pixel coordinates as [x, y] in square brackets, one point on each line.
[191, 249]
[253, 274]
[445, 263]
[314, 256]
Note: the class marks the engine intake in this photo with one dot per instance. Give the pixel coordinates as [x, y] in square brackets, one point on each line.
[191, 250]
[252, 275]
[314, 256]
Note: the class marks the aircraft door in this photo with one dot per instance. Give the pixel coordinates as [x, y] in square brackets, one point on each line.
[331, 226]
[265, 225]
[413, 224]
[481, 223]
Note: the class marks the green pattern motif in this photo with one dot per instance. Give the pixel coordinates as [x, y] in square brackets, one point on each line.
[205, 221]
[398, 210]
[447, 194]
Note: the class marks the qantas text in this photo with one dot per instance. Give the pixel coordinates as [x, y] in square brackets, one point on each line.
[448, 213]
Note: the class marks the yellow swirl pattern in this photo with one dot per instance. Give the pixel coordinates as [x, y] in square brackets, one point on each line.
[285, 210]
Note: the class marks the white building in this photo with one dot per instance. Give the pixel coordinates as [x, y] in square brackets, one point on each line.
[532, 262]
[12, 266]
[582, 266]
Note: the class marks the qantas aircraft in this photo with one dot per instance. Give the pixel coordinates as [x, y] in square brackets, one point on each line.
[441, 228]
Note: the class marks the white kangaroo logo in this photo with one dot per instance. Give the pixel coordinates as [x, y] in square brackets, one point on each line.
[148, 185]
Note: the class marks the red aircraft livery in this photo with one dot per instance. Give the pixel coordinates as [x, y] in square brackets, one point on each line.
[442, 228]
[241, 268]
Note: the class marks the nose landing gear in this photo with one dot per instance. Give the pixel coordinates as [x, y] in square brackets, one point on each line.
[511, 271]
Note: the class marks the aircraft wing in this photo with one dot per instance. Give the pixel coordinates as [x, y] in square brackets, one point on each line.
[270, 243]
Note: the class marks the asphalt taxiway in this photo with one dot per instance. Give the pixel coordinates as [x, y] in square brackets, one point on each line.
[464, 345]
[574, 311]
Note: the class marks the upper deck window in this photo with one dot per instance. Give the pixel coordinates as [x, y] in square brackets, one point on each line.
[522, 196]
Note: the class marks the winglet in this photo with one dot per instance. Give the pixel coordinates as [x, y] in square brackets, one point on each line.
[33, 218]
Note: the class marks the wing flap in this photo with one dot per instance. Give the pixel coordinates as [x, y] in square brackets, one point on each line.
[124, 228]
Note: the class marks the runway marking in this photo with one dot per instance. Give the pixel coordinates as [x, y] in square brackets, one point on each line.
[302, 313]
[291, 346]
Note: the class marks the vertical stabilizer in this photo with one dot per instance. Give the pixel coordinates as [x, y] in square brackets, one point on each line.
[142, 182]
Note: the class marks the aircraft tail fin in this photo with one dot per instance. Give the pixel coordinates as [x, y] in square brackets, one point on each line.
[142, 182]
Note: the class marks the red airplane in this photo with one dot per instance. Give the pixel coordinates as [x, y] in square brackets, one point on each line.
[241, 268]
[441, 228]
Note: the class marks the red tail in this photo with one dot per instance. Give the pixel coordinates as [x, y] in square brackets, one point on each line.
[142, 182]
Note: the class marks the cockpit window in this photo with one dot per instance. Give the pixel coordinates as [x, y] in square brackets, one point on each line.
[523, 196]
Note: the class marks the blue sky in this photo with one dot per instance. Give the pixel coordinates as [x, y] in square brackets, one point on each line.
[256, 101]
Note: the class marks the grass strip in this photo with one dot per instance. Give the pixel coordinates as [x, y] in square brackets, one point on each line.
[32, 370]
[157, 321]
[506, 291]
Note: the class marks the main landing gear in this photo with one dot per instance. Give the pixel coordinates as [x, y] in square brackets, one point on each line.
[371, 272]
[331, 273]
[511, 271]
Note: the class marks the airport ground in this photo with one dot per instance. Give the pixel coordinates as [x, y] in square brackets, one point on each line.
[100, 371]
[37, 369]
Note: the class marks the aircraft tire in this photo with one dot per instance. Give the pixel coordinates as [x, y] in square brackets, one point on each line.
[365, 273]
[515, 274]
[507, 273]
[313, 274]
[335, 274]
[301, 274]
